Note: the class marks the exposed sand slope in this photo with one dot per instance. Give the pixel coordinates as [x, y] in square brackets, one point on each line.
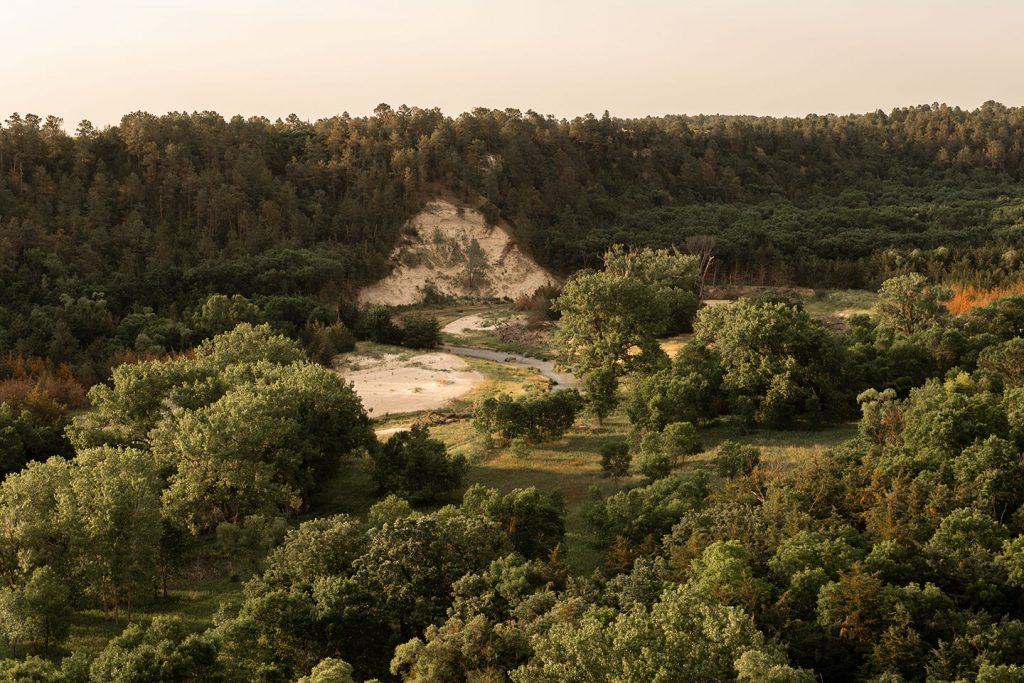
[432, 254]
[397, 383]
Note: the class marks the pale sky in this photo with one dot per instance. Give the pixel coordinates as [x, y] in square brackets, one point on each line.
[102, 59]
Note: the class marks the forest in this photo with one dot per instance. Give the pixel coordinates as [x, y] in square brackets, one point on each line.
[760, 487]
[149, 217]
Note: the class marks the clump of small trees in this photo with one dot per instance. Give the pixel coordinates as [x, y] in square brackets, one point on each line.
[415, 330]
[533, 419]
[412, 465]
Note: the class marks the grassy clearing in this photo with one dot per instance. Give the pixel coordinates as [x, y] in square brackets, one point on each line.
[845, 302]
[571, 465]
[671, 345]
[785, 448]
[821, 302]
[196, 602]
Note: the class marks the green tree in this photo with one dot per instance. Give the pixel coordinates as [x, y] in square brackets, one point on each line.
[533, 521]
[261, 447]
[330, 670]
[674, 277]
[165, 651]
[609, 321]
[683, 637]
[601, 392]
[736, 459]
[36, 615]
[31, 534]
[416, 467]
[780, 364]
[375, 324]
[962, 553]
[248, 343]
[110, 509]
[475, 270]
[906, 304]
[221, 313]
[615, 459]
[420, 331]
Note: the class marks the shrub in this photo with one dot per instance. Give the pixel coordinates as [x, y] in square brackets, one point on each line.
[416, 467]
[518, 448]
[536, 419]
[654, 464]
[432, 295]
[680, 439]
[736, 459]
[420, 331]
[376, 325]
[324, 342]
[615, 459]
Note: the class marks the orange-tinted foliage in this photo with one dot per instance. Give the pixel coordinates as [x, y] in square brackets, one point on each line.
[37, 384]
[967, 297]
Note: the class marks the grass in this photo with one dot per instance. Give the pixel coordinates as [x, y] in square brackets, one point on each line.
[671, 345]
[845, 302]
[785, 448]
[571, 465]
[195, 602]
[486, 339]
[821, 302]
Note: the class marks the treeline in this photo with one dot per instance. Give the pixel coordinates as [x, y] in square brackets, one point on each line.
[157, 213]
[192, 201]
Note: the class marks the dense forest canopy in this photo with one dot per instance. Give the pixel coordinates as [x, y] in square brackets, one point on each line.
[178, 204]
[151, 216]
[198, 275]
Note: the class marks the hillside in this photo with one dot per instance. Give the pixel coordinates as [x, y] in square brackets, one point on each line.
[433, 254]
[111, 239]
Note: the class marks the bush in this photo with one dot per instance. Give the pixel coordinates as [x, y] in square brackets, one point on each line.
[680, 439]
[615, 459]
[376, 325]
[420, 331]
[416, 467]
[432, 295]
[534, 521]
[536, 419]
[324, 342]
[654, 464]
[518, 448]
[736, 459]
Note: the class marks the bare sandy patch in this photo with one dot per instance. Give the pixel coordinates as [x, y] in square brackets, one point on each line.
[401, 383]
[480, 321]
[432, 254]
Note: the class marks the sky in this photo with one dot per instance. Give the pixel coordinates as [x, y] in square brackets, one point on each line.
[102, 59]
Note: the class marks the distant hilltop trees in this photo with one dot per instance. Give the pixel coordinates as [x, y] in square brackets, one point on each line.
[162, 211]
